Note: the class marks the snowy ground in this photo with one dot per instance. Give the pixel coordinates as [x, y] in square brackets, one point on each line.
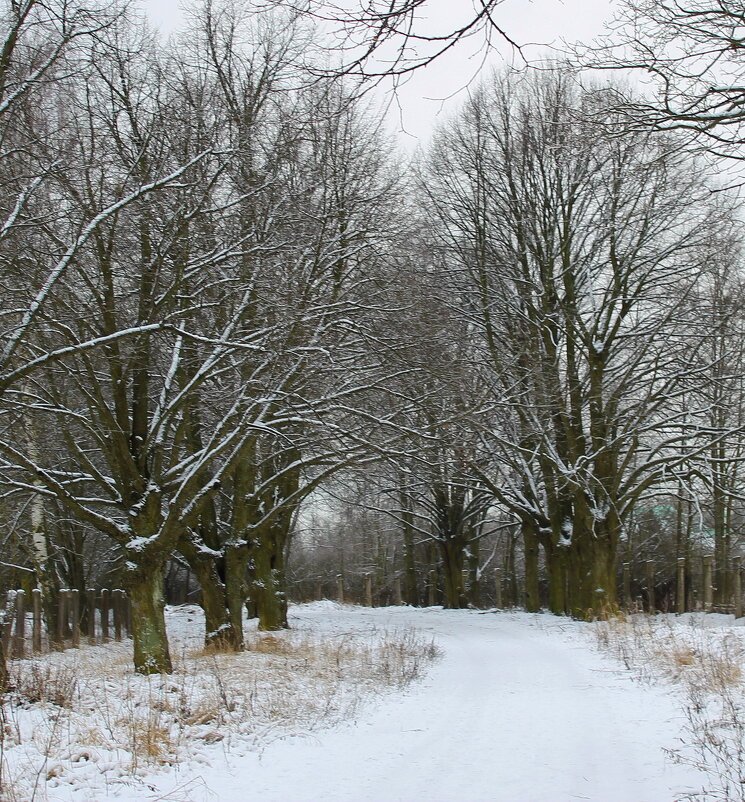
[519, 708]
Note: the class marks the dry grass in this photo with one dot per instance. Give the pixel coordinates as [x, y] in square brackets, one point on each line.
[40, 683]
[658, 647]
[82, 716]
[705, 664]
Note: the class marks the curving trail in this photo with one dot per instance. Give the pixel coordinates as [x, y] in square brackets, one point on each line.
[519, 709]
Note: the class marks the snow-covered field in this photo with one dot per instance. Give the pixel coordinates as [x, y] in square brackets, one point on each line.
[516, 708]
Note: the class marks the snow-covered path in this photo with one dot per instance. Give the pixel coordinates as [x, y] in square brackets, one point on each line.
[519, 709]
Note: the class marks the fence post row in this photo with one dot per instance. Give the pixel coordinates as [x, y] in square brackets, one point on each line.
[13, 619]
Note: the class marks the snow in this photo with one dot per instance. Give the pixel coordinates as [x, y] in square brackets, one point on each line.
[518, 708]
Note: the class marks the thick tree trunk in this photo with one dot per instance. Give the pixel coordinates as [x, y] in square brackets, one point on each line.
[530, 547]
[220, 633]
[556, 562]
[236, 559]
[592, 574]
[452, 569]
[151, 653]
[267, 587]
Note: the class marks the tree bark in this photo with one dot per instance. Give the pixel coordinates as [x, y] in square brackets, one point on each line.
[220, 631]
[530, 547]
[452, 569]
[151, 652]
[267, 585]
[410, 584]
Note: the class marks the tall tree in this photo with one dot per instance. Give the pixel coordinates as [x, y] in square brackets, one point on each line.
[577, 250]
[687, 57]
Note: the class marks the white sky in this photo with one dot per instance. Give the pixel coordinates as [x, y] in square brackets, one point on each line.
[439, 88]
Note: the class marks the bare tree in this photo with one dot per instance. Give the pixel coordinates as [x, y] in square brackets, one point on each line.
[378, 38]
[687, 56]
[577, 250]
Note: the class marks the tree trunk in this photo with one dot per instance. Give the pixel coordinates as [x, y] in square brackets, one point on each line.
[592, 571]
[452, 568]
[267, 585]
[530, 546]
[556, 562]
[236, 560]
[474, 579]
[3, 674]
[722, 592]
[410, 585]
[151, 653]
[220, 633]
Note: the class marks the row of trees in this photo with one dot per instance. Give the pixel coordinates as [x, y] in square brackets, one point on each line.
[223, 291]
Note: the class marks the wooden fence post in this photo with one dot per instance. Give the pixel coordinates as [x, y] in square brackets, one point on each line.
[680, 589]
[75, 617]
[708, 590]
[340, 589]
[90, 596]
[61, 618]
[19, 642]
[117, 603]
[368, 590]
[7, 623]
[649, 573]
[36, 626]
[737, 586]
[105, 615]
[319, 590]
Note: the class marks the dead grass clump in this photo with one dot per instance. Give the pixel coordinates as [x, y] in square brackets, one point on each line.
[41, 683]
[149, 738]
[657, 647]
[269, 643]
[706, 664]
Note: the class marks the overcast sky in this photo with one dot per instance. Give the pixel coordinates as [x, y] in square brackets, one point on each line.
[436, 90]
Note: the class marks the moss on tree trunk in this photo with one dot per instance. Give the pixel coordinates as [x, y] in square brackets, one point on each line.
[219, 633]
[267, 587]
[151, 653]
